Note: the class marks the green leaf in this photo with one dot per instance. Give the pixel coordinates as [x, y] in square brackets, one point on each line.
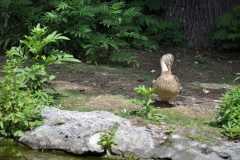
[225, 19]
[1, 124]
[18, 133]
[6, 43]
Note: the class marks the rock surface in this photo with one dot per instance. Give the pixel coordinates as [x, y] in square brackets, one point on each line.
[78, 133]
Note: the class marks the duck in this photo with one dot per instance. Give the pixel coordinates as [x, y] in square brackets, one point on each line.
[167, 86]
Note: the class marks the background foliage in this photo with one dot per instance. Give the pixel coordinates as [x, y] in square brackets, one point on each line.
[227, 32]
[97, 29]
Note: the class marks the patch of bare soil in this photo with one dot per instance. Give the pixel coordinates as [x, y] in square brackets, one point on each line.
[203, 83]
[110, 103]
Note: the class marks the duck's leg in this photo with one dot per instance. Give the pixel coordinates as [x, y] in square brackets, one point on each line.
[164, 106]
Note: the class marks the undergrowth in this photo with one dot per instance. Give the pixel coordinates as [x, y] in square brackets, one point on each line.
[227, 32]
[228, 118]
[229, 113]
[23, 89]
[148, 111]
[97, 29]
[107, 138]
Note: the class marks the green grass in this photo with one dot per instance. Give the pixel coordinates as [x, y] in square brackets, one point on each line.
[72, 99]
[194, 128]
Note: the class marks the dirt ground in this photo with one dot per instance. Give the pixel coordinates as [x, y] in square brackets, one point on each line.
[203, 83]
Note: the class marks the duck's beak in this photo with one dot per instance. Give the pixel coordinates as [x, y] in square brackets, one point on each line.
[169, 67]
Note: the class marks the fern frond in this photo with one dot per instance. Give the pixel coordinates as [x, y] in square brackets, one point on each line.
[127, 57]
[138, 3]
[85, 11]
[164, 25]
[103, 9]
[158, 37]
[160, 26]
[133, 35]
[152, 30]
[49, 17]
[82, 31]
[229, 45]
[116, 7]
[177, 37]
[148, 20]
[233, 37]
[63, 6]
[225, 19]
[127, 28]
[152, 45]
[54, 36]
[132, 12]
[62, 56]
[107, 22]
[220, 34]
[5, 3]
[5, 42]
[236, 10]
[32, 16]
[175, 25]
[153, 6]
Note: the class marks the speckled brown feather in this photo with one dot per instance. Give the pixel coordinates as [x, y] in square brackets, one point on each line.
[167, 86]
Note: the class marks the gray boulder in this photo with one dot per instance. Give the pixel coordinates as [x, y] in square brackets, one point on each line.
[79, 132]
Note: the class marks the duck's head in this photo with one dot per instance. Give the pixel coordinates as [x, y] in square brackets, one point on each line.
[167, 60]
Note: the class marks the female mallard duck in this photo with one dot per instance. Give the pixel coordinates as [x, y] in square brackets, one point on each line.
[166, 86]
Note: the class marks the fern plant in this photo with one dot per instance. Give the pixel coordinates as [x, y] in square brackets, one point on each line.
[227, 32]
[17, 18]
[163, 32]
[229, 114]
[97, 29]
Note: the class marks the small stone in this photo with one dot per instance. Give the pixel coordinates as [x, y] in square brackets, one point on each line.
[152, 71]
[140, 80]
[82, 89]
[217, 107]
[224, 155]
[206, 91]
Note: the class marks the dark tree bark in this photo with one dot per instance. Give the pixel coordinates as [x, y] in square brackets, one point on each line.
[199, 17]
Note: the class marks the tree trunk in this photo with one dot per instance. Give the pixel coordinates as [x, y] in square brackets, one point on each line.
[199, 17]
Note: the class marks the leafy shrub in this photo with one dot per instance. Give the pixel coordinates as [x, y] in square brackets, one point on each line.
[237, 77]
[165, 33]
[107, 138]
[229, 114]
[148, 111]
[227, 32]
[23, 90]
[17, 18]
[199, 58]
[97, 29]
